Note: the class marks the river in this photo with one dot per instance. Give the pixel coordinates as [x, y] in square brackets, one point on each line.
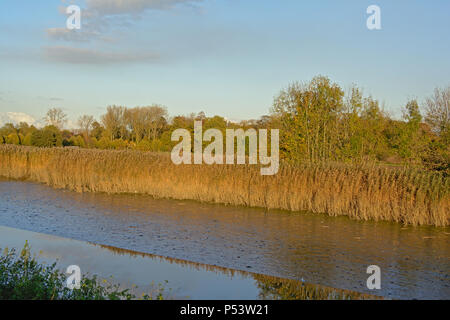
[329, 251]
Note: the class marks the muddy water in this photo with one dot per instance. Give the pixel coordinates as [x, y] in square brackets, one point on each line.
[335, 252]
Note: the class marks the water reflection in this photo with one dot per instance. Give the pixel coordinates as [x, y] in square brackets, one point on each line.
[270, 288]
[182, 279]
[335, 252]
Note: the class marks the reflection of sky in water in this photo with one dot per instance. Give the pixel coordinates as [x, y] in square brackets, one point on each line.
[181, 279]
[325, 250]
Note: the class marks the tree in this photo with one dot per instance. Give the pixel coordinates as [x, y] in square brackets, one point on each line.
[155, 121]
[24, 128]
[97, 130]
[49, 136]
[411, 113]
[27, 139]
[114, 122]
[437, 116]
[56, 117]
[13, 138]
[350, 145]
[85, 123]
[7, 129]
[373, 124]
[406, 138]
[415, 140]
[308, 114]
[137, 119]
[201, 116]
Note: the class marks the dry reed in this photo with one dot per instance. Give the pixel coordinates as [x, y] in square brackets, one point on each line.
[409, 196]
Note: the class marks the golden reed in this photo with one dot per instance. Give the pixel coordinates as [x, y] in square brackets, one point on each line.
[409, 196]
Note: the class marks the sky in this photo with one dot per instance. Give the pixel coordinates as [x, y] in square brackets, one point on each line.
[224, 57]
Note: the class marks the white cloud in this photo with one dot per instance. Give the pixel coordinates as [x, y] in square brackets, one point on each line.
[16, 118]
[71, 125]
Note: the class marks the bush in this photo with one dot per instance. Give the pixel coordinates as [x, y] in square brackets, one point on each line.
[23, 278]
[13, 138]
[144, 145]
[103, 143]
[119, 144]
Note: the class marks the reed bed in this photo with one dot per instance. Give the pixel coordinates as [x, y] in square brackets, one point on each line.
[409, 196]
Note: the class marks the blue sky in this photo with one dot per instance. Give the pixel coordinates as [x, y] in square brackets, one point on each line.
[226, 57]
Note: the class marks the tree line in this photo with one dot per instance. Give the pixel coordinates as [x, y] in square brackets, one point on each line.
[318, 122]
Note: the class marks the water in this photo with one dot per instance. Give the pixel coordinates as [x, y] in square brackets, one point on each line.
[335, 252]
[173, 278]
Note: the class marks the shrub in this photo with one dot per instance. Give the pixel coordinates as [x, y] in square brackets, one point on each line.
[144, 145]
[23, 278]
[13, 138]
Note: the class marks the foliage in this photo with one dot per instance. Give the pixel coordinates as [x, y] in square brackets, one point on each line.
[22, 277]
[318, 122]
[50, 136]
[309, 114]
[13, 138]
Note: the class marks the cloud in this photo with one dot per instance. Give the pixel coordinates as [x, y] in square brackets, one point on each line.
[103, 21]
[122, 7]
[16, 118]
[100, 16]
[87, 56]
[65, 34]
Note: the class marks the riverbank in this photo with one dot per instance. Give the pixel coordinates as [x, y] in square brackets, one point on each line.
[408, 196]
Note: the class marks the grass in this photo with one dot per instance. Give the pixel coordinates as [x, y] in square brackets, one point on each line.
[23, 278]
[363, 192]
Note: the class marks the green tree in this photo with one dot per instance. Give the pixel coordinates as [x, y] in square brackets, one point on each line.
[309, 115]
[49, 136]
[27, 139]
[97, 130]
